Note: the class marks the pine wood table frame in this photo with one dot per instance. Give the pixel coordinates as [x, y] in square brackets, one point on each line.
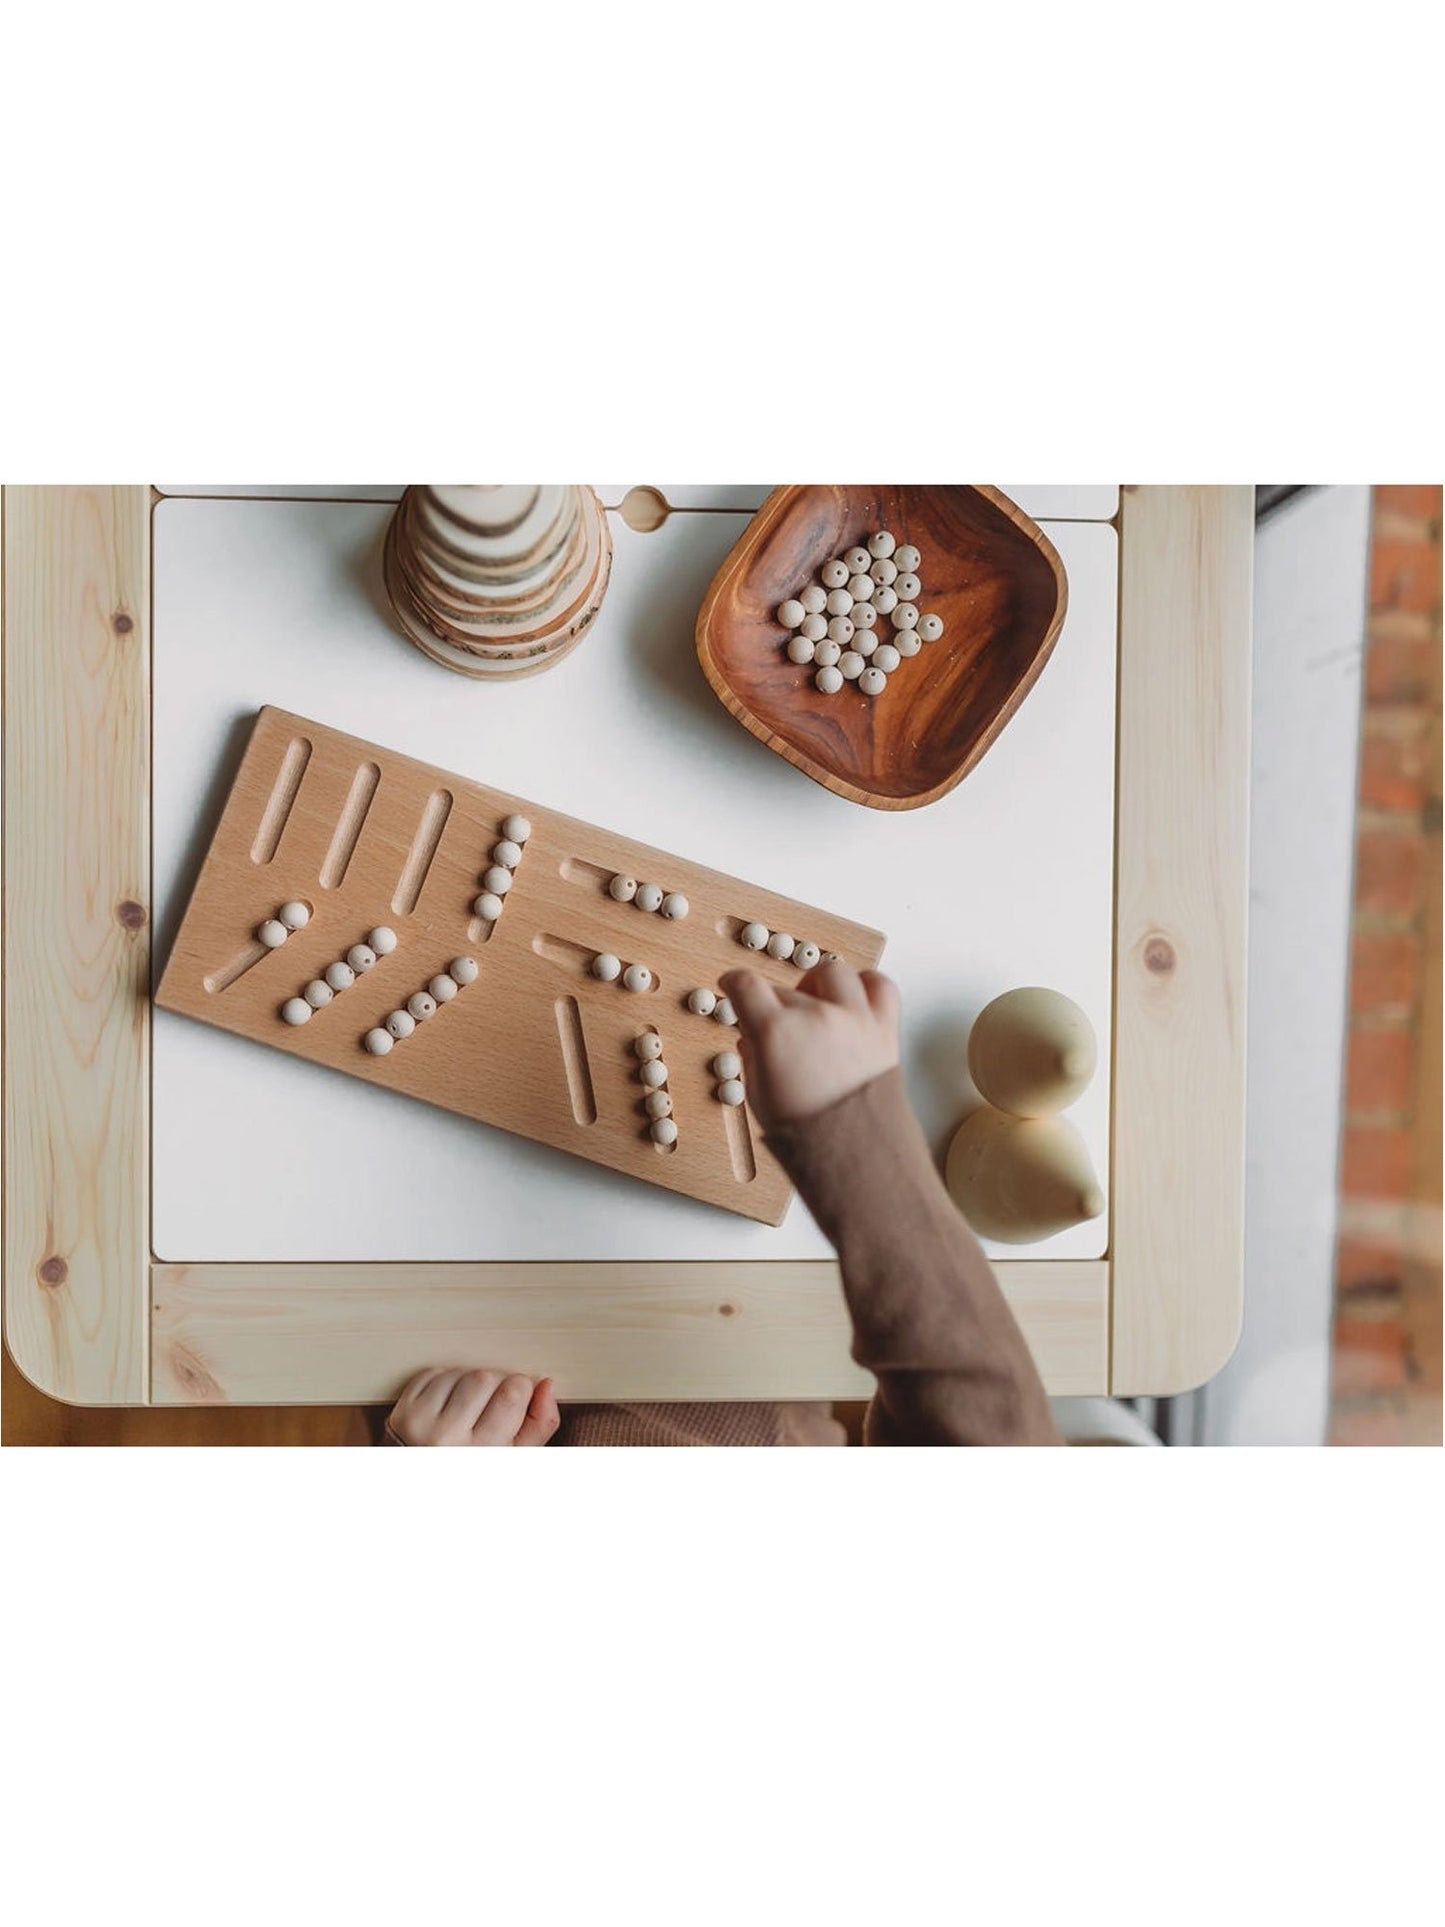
[92, 1318]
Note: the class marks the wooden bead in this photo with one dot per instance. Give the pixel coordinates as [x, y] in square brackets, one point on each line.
[517, 829]
[834, 574]
[657, 1104]
[702, 1002]
[850, 665]
[653, 1073]
[858, 560]
[930, 627]
[873, 681]
[488, 907]
[649, 897]
[382, 940]
[421, 1006]
[637, 977]
[507, 853]
[497, 880]
[907, 557]
[840, 630]
[906, 642]
[826, 654]
[754, 936]
[662, 1130]
[791, 614]
[463, 970]
[886, 658]
[378, 1042]
[731, 1092]
[814, 599]
[400, 1023]
[727, 1064]
[340, 976]
[780, 945]
[905, 616]
[361, 957]
[881, 544]
[884, 573]
[861, 588]
[724, 1012]
[828, 679]
[648, 1045]
[296, 1010]
[839, 602]
[295, 916]
[864, 615]
[815, 627]
[674, 906]
[441, 990]
[273, 934]
[885, 601]
[318, 994]
[607, 967]
[865, 642]
[622, 889]
[908, 588]
[806, 955]
[800, 650]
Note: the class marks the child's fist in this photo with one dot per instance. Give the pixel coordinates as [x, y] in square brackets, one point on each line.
[475, 1408]
[807, 1045]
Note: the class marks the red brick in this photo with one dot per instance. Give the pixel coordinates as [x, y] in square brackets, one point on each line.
[1390, 871]
[1375, 1162]
[1404, 575]
[1384, 973]
[1397, 767]
[1380, 1074]
[1369, 1356]
[1382, 1424]
[1401, 668]
[1412, 498]
[1369, 1266]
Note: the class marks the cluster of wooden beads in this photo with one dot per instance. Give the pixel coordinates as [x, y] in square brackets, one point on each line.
[727, 1070]
[802, 952]
[611, 970]
[496, 879]
[338, 976]
[703, 1002]
[834, 623]
[652, 1075]
[648, 896]
[275, 930]
[460, 972]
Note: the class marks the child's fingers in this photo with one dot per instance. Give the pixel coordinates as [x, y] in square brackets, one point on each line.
[431, 1397]
[882, 995]
[506, 1408]
[542, 1418]
[836, 983]
[468, 1397]
[414, 1387]
[754, 996]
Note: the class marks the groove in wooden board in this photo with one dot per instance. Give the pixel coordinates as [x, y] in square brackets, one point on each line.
[349, 825]
[229, 973]
[740, 1142]
[282, 799]
[574, 1060]
[479, 930]
[572, 956]
[423, 849]
[577, 869]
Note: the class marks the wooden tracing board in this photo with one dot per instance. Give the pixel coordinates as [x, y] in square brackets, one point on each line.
[536, 1044]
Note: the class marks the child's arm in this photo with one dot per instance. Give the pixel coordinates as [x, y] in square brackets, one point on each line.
[929, 1320]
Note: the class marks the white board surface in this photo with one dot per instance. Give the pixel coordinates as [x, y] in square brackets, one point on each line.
[1007, 881]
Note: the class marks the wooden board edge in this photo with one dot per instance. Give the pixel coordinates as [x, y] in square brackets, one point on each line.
[1181, 829]
[77, 911]
[280, 1334]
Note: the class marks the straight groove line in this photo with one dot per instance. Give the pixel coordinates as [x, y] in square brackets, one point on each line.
[574, 1058]
[740, 1143]
[282, 798]
[423, 849]
[348, 825]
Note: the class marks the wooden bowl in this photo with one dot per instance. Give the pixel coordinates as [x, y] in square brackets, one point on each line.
[987, 569]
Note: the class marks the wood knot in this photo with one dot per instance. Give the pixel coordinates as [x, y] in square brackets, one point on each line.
[727, 1311]
[52, 1271]
[130, 914]
[1159, 956]
[122, 623]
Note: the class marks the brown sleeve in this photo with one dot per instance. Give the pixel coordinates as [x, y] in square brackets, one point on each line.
[929, 1319]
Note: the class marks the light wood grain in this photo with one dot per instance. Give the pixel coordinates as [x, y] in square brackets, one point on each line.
[279, 1334]
[1179, 1024]
[76, 938]
[537, 1044]
[989, 572]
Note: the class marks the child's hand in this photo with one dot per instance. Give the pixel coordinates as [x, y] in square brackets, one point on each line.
[475, 1408]
[805, 1046]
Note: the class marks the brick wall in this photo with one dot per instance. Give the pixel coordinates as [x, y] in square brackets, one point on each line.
[1386, 1384]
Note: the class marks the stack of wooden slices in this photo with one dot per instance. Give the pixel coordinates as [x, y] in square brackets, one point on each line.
[497, 581]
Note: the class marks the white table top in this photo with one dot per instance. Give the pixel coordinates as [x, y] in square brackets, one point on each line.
[1006, 881]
